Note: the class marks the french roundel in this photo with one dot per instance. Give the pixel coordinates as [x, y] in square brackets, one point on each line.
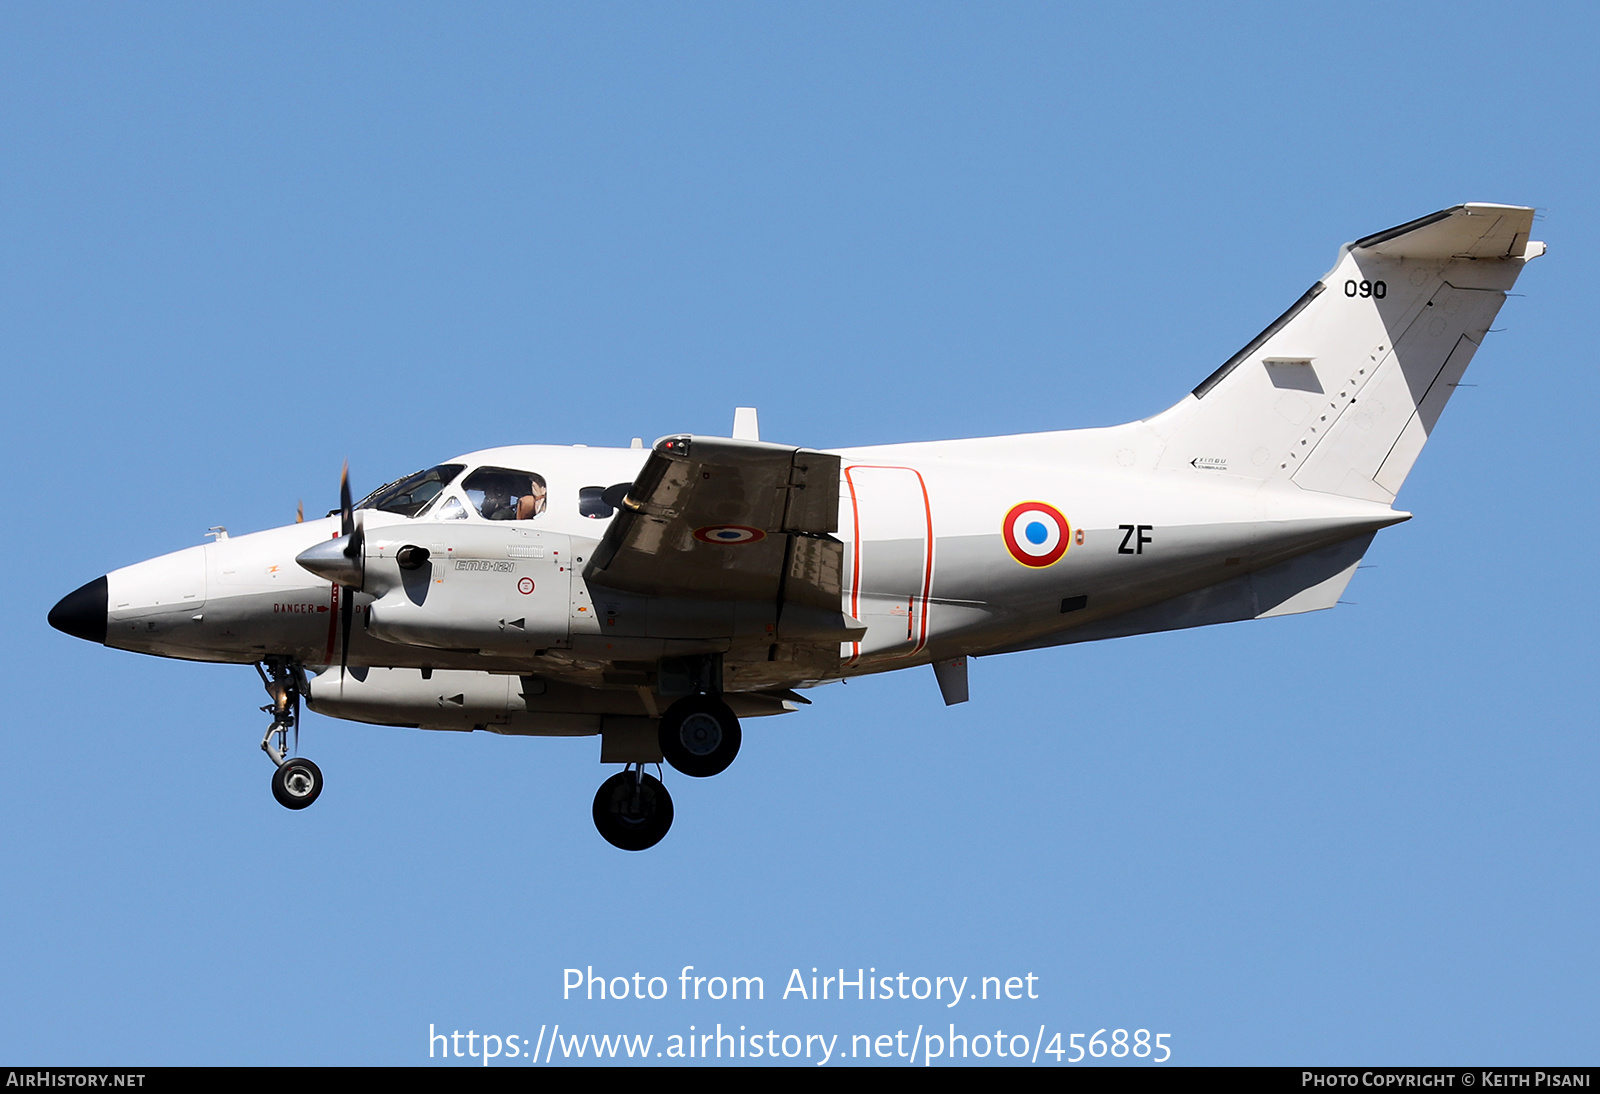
[1036, 534]
[728, 533]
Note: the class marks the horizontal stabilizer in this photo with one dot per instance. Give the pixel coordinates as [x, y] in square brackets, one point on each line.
[1475, 230]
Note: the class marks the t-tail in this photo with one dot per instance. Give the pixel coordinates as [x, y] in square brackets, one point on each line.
[1340, 392]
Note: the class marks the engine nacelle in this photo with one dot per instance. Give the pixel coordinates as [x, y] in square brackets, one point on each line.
[496, 588]
[464, 699]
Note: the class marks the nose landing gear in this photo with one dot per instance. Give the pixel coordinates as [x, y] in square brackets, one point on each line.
[632, 810]
[296, 782]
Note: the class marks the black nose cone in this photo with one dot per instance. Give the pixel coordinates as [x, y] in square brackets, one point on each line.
[82, 612]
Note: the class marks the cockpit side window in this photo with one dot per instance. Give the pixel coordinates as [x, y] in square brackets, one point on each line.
[408, 496]
[452, 509]
[500, 493]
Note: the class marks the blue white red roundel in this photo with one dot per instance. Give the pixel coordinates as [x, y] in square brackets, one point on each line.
[1036, 534]
[728, 533]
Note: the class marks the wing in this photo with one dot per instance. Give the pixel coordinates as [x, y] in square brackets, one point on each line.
[711, 518]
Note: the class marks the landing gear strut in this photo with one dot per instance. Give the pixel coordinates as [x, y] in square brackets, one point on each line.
[296, 782]
[633, 810]
[700, 735]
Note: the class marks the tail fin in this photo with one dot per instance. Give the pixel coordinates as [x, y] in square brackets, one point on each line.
[1340, 392]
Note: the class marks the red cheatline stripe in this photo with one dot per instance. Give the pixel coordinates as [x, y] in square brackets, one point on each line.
[927, 559]
[927, 565]
[855, 566]
[333, 623]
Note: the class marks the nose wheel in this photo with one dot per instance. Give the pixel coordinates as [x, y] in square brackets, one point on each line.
[632, 810]
[297, 782]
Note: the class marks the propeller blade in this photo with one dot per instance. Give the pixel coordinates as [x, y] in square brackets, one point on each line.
[353, 549]
[300, 511]
[346, 520]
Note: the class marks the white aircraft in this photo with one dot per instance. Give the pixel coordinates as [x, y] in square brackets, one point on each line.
[657, 598]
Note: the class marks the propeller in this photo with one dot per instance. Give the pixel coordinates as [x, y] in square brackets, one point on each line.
[342, 561]
[354, 545]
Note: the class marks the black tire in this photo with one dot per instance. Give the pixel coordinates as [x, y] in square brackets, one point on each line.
[700, 736]
[632, 813]
[296, 783]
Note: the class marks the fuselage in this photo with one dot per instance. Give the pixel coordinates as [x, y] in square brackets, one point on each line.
[931, 566]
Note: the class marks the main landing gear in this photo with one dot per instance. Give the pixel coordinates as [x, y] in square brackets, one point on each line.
[296, 782]
[699, 736]
[633, 810]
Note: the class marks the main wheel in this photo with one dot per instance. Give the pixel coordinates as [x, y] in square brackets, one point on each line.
[632, 813]
[296, 783]
[700, 736]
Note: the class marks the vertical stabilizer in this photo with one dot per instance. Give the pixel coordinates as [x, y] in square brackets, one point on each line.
[1339, 394]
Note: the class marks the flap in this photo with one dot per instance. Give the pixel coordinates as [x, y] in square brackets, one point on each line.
[713, 517]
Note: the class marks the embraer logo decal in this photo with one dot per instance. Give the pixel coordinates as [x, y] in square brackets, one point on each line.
[485, 564]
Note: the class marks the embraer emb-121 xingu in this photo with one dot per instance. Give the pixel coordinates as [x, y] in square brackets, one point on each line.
[656, 599]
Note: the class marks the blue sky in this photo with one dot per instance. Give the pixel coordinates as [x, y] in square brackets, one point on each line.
[242, 244]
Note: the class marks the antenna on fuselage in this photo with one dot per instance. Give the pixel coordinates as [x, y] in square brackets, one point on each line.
[745, 427]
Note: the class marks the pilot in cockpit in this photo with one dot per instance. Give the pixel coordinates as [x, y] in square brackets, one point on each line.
[503, 494]
[497, 500]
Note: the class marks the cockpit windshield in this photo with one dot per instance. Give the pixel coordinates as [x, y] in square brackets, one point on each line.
[410, 495]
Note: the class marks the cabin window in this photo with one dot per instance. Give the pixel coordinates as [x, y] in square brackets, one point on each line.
[592, 503]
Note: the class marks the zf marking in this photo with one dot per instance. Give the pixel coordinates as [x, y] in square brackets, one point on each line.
[1135, 534]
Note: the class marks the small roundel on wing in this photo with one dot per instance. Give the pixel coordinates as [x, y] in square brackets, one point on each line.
[729, 534]
[1036, 534]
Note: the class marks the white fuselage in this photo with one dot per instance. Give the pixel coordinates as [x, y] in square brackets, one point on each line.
[927, 566]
